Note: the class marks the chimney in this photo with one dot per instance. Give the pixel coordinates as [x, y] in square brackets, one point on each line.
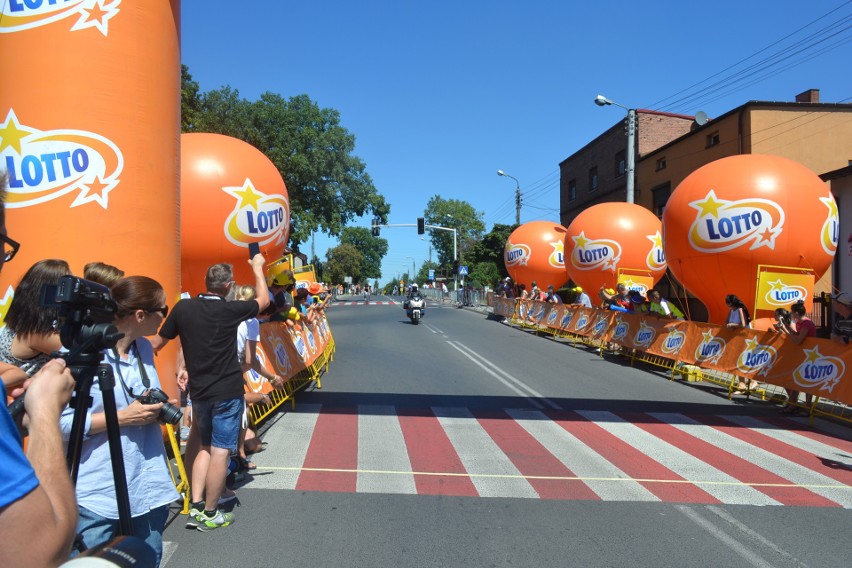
[809, 96]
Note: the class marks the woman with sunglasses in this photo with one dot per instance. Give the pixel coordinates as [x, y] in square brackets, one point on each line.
[141, 310]
[30, 335]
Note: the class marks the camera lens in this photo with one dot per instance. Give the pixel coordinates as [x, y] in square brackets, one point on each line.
[170, 414]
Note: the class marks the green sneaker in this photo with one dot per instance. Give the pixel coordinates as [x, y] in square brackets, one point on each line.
[194, 520]
[220, 519]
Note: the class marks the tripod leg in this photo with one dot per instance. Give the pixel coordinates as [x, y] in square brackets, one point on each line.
[106, 380]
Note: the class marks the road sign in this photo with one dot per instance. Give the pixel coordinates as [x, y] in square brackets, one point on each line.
[462, 270]
[431, 274]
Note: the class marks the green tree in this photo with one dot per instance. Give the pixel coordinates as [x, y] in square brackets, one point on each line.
[484, 274]
[455, 214]
[491, 246]
[373, 249]
[190, 101]
[423, 273]
[343, 260]
[328, 185]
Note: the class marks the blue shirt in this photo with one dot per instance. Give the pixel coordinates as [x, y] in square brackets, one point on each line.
[18, 477]
[149, 484]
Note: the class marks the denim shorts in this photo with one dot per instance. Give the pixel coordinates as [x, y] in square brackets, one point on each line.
[218, 422]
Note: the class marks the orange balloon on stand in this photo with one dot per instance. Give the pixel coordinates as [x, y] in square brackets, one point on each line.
[534, 252]
[609, 237]
[734, 214]
[89, 137]
[231, 195]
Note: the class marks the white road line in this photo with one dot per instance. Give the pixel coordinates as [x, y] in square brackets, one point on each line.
[511, 387]
[743, 528]
[169, 548]
[293, 442]
[732, 543]
[432, 329]
[509, 377]
[479, 453]
[381, 446]
[436, 329]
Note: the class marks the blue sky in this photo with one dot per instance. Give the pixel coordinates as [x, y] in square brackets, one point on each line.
[440, 95]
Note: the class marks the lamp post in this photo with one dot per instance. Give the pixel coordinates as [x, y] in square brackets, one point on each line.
[413, 270]
[517, 195]
[601, 100]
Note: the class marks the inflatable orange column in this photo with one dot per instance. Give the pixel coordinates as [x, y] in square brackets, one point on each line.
[89, 137]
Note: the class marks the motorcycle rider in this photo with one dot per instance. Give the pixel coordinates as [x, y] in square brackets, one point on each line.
[413, 294]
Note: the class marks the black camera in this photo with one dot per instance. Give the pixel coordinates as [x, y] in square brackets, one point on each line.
[87, 311]
[169, 413]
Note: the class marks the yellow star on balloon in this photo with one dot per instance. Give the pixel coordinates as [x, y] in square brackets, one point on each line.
[710, 206]
[11, 133]
[831, 204]
[247, 195]
[656, 239]
[580, 240]
[558, 246]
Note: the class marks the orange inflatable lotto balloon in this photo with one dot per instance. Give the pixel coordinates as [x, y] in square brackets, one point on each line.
[534, 252]
[89, 134]
[734, 214]
[231, 195]
[611, 237]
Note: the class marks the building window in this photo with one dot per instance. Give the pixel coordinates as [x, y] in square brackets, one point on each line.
[661, 195]
[713, 139]
[661, 163]
[572, 190]
[593, 178]
[620, 163]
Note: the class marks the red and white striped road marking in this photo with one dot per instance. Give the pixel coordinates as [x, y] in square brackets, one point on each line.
[557, 454]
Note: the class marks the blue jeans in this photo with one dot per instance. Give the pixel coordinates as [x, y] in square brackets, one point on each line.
[219, 422]
[148, 527]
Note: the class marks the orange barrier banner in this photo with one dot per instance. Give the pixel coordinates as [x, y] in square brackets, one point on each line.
[817, 366]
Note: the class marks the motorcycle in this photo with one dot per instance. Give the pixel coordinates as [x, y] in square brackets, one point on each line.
[415, 308]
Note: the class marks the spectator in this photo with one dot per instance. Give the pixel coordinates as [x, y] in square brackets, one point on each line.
[552, 297]
[36, 494]
[207, 326]
[637, 300]
[281, 290]
[248, 336]
[141, 309]
[662, 307]
[841, 329]
[738, 315]
[798, 327]
[102, 273]
[29, 336]
[620, 300]
[522, 292]
[535, 291]
[581, 298]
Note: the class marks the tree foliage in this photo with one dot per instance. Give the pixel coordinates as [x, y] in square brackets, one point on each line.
[484, 274]
[373, 249]
[327, 184]
[491, 246]
[455, 214]
[343, 260]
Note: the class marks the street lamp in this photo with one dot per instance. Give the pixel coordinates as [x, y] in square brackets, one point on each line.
[413, 271]
[601, 100]
[517, 195]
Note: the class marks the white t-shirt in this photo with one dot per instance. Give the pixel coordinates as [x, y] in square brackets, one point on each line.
[249, 330]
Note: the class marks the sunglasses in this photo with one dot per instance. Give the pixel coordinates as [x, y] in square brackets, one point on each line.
[10, 247]
[164, 311]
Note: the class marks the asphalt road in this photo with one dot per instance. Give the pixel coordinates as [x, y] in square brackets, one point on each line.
[465, 442]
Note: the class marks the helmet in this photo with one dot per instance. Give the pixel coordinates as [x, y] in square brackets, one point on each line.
[578, 289]
[414, 286]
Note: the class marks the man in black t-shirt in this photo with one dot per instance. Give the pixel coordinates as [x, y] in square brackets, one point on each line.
[207, 326]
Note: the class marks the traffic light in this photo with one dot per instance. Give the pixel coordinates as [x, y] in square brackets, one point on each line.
[421, 225]
[375, 229]
[455, 267]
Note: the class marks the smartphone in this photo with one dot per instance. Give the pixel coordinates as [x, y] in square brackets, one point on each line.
[254, 249]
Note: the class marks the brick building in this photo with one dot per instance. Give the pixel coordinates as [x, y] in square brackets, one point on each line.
[596, 172]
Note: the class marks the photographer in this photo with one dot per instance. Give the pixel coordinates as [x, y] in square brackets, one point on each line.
[141, 309]
[36, 495]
